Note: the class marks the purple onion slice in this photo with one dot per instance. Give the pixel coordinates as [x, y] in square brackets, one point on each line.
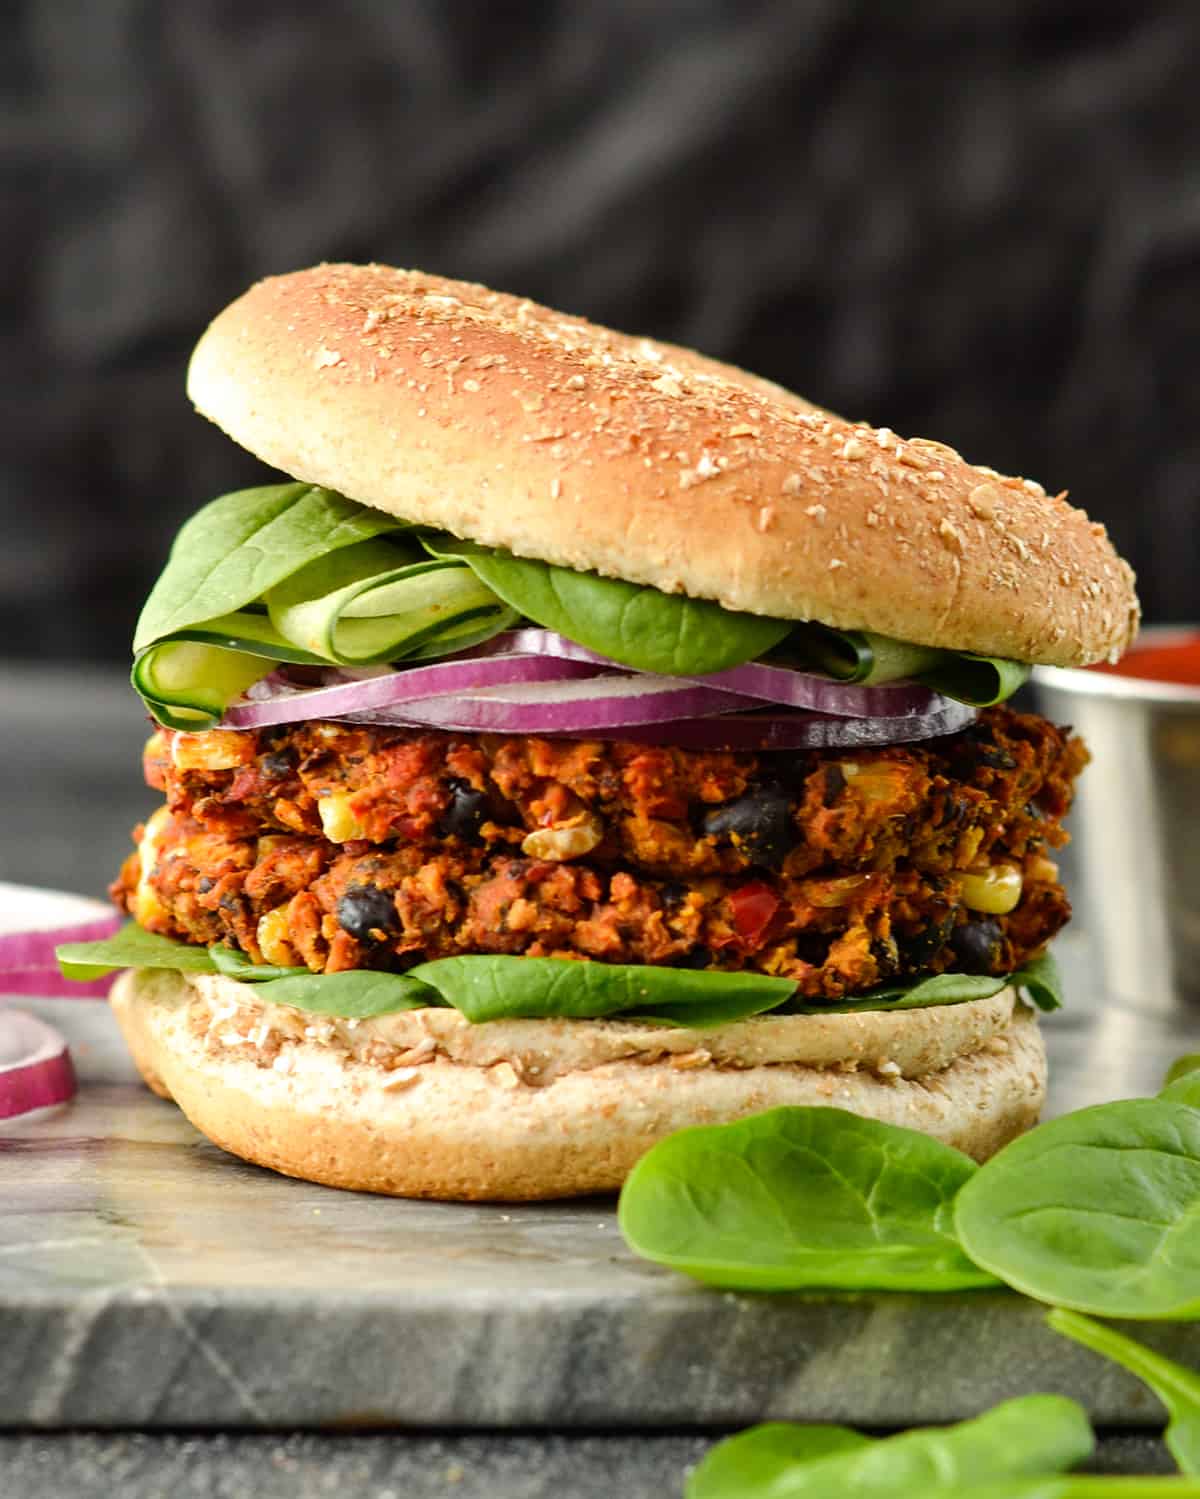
[35, 1065]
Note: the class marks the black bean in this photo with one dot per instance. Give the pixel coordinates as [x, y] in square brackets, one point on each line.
[835, 784]
[919, 948]
[674, 894]
[204, 884]
[366, 909]
[977, 945]
[468, 811]
[759, 822]
[279, 764]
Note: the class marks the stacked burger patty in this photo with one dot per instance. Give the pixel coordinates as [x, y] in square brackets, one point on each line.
[338, 846]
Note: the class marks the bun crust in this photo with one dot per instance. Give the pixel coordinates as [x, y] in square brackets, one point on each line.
[345, 1106]
[519, 427]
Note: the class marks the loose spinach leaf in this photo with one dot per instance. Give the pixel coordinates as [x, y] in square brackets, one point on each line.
[236, 547]
[749, 1464]
[1071, 1486]
[802, 1197]
[1182, 1082]
[356, 994]
[1178, 1388]
[637, 626]
[131, 947]
[508, 988]
[1098, 1210]
[1036, 1435]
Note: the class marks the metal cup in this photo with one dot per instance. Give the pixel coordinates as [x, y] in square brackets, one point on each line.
[1136, 827]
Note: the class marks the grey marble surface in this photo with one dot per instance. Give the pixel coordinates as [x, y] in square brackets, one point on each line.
[148, 1281]
[393, 1466]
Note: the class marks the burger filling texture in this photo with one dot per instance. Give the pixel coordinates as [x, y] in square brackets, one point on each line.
[332, 846]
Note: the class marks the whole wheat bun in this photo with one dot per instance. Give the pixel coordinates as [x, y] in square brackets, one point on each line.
[423, 1104]
[519, 427]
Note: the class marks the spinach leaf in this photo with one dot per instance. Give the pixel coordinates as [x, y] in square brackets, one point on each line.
[236, 965]
[131, 947]
[236, 547]
[941, 989]
[1071, 1486]
[356, 994]
[1039, 979]
[1036, 1435]
[507, 988]
[750, 1464]
[802, 1197]
[638, 626]
[1181, 1066]
[1182, 1082]
[1098, 1210]
[1178, 1388]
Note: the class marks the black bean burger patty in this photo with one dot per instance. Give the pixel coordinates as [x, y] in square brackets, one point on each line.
[989, 900]
[997, 789]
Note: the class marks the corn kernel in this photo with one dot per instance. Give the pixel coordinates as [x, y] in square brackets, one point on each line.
[218, 749]
[274, 938]
[994, 891]
[563, 843]
[338, 819]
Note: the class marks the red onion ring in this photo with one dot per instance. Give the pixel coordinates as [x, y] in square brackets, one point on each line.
[592, 706]
[287, 705]
[35, 1066]
[784, 731]
[757, 679]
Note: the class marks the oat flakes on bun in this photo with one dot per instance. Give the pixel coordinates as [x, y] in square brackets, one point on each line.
[586, 739]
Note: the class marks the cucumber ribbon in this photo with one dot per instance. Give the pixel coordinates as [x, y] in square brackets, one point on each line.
[298, 574]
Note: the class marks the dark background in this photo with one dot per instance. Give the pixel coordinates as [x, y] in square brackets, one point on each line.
[978, 222]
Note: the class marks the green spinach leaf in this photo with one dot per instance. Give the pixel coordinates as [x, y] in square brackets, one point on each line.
[356, 994]
[638, 626]
[1182, 1082]
[802, 1197]
[237, 547]
[1039, 979]
[131, 947]
[508, 988]
[1178, 1388]
[1098, 1210]
[236, 965]
[750, 1464]
[1036, 1435]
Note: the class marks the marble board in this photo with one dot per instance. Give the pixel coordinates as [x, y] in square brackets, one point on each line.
[149, 1280]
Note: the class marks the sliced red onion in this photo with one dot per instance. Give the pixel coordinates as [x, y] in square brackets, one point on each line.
[783, 731]
[598, 705]
[35, 950]
[286, 703]
[758, 679]
[49, 983]
[35, 1066]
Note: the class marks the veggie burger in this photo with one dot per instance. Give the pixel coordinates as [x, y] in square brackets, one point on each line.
[589, 739]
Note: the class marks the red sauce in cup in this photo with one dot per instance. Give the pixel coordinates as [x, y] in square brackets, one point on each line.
[1178, 661]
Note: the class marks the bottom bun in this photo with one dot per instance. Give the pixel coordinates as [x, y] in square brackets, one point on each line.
[413, 1105]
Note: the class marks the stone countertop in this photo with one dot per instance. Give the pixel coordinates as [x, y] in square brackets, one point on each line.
[147, 1280]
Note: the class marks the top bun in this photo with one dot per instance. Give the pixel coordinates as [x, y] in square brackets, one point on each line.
[518, 427]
